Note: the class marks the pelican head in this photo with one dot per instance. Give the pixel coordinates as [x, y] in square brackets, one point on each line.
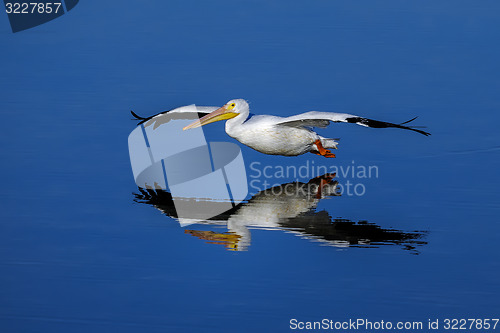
[231, 109]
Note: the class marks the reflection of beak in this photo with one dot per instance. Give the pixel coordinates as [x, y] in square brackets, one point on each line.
[228, 239]
[220, 114]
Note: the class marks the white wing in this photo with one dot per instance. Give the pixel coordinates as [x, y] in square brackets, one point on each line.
[322, 119]
[183, 112]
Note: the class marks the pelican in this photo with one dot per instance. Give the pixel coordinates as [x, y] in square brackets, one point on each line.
[273, 135]
[287, 136]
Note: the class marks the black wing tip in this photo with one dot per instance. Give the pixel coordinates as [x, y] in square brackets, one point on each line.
[143, 119]
[409, 121]
[415, 128]
[382, 124]
[420, 131]
[137, 117]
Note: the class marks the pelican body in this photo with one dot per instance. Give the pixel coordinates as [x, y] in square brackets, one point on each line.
[287, 136]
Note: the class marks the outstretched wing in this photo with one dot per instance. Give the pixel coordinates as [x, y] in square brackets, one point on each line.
[322, 119]
[185, 112]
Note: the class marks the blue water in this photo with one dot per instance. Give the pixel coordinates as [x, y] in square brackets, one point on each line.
[78, 254]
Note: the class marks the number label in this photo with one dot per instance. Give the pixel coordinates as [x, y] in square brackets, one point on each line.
[32, 7]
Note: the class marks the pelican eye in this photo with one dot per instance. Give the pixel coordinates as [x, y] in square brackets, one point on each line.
[231, 106]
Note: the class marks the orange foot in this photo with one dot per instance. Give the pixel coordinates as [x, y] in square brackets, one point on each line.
[322, 151]
[323, 181]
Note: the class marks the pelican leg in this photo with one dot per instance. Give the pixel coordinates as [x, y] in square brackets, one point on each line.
[322, 151]
[323, 181]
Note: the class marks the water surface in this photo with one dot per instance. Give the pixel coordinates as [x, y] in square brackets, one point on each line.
[79, 253]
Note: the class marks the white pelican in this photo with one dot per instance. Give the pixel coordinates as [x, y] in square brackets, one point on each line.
[287, 136]
[273, 135]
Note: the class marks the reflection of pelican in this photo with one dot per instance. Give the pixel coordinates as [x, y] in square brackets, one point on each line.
[290, 136]
[288, 207]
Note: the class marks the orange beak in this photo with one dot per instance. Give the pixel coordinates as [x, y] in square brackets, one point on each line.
[222, 113]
